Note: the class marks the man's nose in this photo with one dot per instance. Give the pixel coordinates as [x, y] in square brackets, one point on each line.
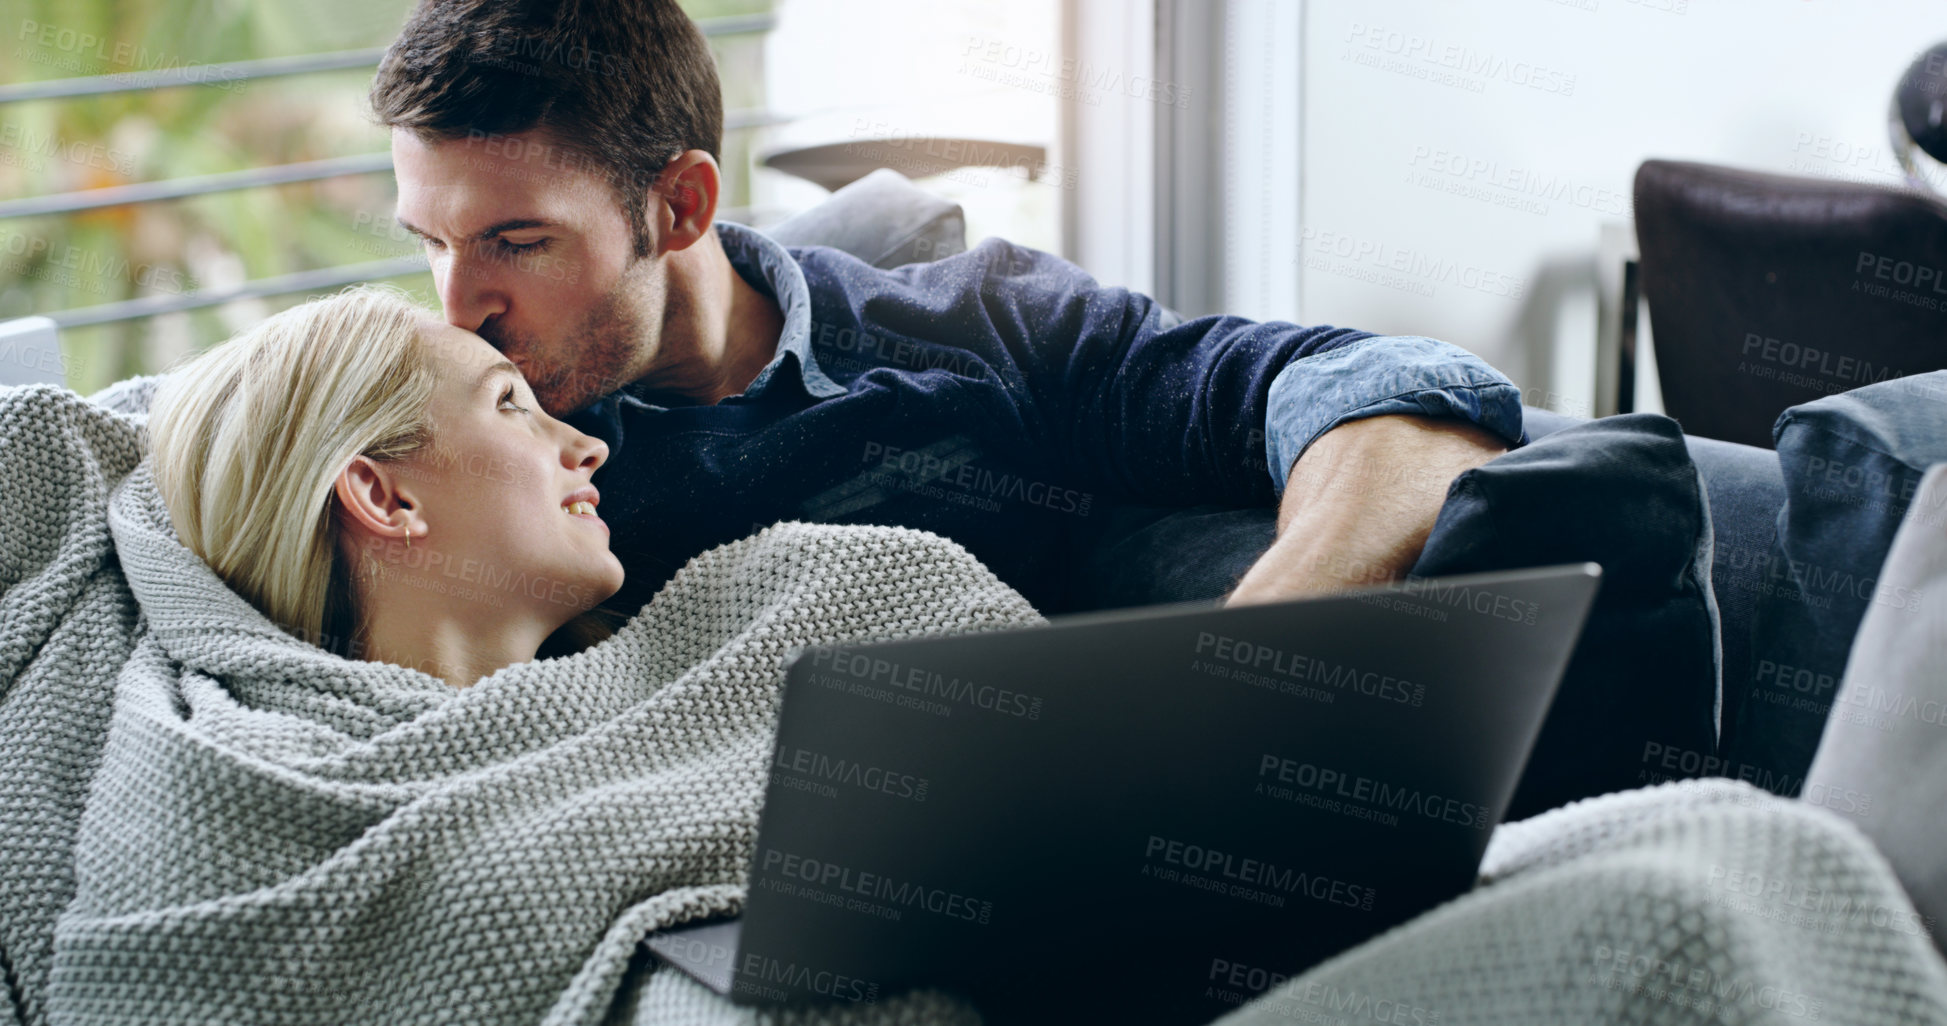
[468, 291]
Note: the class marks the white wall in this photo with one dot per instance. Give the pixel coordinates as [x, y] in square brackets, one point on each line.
[854, 70]
[1419, 176]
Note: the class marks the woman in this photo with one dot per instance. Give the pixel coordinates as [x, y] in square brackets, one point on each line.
[333, 782]
[385, 483]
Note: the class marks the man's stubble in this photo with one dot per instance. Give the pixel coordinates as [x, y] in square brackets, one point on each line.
[613, 345]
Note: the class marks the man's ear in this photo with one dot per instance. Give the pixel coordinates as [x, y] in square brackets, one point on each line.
[686, 197]
[370, 498]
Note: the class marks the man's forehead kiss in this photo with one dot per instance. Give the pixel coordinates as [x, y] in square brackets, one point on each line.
[467, 357]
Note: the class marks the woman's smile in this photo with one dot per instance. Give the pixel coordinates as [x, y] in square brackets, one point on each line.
[581, 505]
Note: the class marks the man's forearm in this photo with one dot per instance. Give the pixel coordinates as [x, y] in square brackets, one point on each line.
[1359, 504]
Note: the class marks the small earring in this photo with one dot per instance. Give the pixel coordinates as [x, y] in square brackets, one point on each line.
[408, 538]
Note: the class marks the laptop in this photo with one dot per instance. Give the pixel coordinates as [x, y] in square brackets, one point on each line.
[1145, 815]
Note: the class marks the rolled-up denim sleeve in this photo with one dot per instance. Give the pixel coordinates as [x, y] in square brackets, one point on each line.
[1380, 375]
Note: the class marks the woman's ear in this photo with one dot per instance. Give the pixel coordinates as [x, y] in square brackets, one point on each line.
[370, 498]
[686, 197]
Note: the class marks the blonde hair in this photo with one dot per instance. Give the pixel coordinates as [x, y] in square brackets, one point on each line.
[249, 437]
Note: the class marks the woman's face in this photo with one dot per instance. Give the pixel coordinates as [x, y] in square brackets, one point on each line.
[501, 501]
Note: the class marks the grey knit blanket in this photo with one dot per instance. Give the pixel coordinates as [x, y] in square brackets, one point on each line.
[206, 819]
[1706, 901]
[203, 819]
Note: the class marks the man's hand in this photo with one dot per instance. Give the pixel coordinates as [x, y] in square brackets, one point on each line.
[1360, 503]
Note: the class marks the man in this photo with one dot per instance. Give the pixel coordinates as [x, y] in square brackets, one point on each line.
[559, 160]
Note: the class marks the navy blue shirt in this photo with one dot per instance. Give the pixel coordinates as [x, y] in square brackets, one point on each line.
[1001, 398]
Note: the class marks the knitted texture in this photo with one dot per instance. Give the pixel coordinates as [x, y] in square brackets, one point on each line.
[67, 626]
[1697, 902]
[275, 834]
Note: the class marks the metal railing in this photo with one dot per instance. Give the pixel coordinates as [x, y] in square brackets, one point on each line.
[202, 74]
[280, 174]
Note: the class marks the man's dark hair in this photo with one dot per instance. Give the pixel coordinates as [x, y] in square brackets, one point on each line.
[622, 86]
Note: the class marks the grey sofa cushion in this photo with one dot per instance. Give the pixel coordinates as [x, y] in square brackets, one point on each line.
[1882, 761]
[1852, 463]
[1621, 491]
[882, 219]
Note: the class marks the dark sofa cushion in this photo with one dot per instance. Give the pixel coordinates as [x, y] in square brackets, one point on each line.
[1643, 680]
[1852, 464]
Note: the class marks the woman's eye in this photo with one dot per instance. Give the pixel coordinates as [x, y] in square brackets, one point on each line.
[507, 399]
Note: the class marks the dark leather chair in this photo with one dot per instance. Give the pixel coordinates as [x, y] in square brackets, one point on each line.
[1766, 291]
